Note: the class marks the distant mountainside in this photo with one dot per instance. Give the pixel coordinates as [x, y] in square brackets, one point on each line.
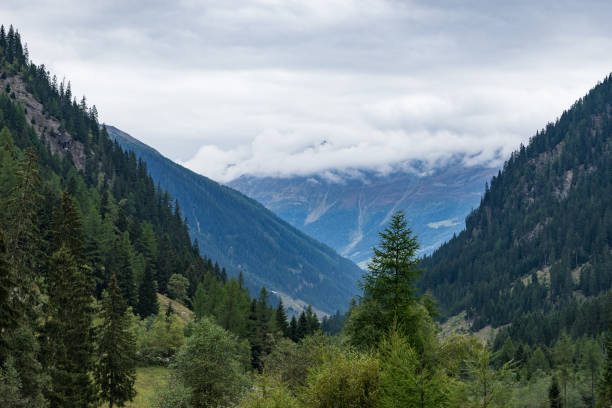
[540, 241]
[348, 214]
[243, 235]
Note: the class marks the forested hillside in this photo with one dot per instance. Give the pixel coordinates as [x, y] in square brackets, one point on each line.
[91, 250]
[245, 236]
[536, 254]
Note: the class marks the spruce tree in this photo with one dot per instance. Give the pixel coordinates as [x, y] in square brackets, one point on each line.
[121, 266]
[605, 382]
[22, 258]
[67, 229]
[281, 319]
[115, 371]
[147, 294]
[313, 321]
[554, 394]
[302, 327]
[293, 329]
[69, 345]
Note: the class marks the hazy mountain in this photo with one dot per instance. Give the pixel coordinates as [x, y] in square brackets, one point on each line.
[348, 212]
[243, 235]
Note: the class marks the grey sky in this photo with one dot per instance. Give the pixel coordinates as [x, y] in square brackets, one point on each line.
[275, 87]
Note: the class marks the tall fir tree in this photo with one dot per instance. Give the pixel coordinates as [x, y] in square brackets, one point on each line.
[121, 266]
[69, 343]
[293, 329]
[554, 394]
[605, 382]
[116, 370]
[147, 294]
[22, 256]
[281, 319]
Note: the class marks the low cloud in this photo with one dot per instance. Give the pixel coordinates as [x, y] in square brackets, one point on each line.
[280, 88]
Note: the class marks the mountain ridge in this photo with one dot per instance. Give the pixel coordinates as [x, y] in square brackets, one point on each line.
[348, 214]
[291, 264]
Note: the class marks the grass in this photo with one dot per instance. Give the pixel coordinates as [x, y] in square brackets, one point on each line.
[148, 381]
[179, 309]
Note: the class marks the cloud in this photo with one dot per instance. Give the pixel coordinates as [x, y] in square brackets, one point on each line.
[284, 87]
[444, 223]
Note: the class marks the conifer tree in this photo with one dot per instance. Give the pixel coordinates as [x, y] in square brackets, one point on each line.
[302, 327]
[115, 371]
[313, 321]
[67, 229]
[69, 346]
[293, 329]
[10, 313]
[605, 383]
[554, 394]
[22, 255]
[281, 319]
[121, 266]
[147, 294]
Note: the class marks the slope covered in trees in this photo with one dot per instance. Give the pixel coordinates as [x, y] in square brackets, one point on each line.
[86, 241]
[541, 239]
[244, 235]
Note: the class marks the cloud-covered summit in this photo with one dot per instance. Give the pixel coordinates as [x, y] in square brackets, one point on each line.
[282, 87]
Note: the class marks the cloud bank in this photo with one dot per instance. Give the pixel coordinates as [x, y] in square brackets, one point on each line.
[287, 87]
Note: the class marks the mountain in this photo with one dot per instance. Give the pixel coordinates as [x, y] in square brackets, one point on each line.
[347, 213]
[245, 236]
[537, 252]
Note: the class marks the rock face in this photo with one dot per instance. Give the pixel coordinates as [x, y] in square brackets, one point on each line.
[48, 128]
[348, 214]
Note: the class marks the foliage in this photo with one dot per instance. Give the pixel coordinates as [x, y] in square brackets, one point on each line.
[213, 364]
[408, 379]
[115, 370]
[345, 378]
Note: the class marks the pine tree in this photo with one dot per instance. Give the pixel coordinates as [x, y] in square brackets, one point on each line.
[313, 321]
[392, 271]
[21, 256]
[67, 229]
[293, 329]
[281, 319]
[605, 382]
[121, 266]
[115, 371]
[69, 345]
[302, 327]
[554, 394]
[147, 295]
[10, 312]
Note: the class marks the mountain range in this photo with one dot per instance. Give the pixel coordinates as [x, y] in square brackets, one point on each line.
[243, 235]
[348, 211]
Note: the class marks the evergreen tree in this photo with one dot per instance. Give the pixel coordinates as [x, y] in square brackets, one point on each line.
[393, 269]
[302, 327]
[67, 229]
[121, 266]
[605, 382]
[281, 319]
[68, 331]
[22, 257]
[554, 394]
[293, 329]
[389, 297]
[115, 371]
[313, 321]
[147, 295]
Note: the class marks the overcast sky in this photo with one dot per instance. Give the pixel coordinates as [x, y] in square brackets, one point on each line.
[281, 87]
